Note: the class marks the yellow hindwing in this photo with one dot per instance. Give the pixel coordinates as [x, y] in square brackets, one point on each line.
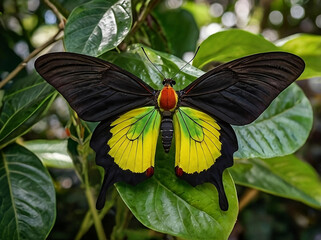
[197, 140]
[134, 139]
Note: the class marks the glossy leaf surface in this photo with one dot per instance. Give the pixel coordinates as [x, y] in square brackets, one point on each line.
[28, 201]
[23, 104]
[171, 22]
[135, 62]
[52, 153]
[281, 130]
[234, 43]
[286, 176]
[170, 205]
[95, 27]
[229, 45]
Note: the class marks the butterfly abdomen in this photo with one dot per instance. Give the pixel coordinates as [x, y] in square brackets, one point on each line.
[167, 132]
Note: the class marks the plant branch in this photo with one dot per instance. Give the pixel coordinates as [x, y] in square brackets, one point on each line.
[88, 221]
[56, 11]
[35, 52]
[97, 222]
[141, 18]
[247, 197]
[27, 59]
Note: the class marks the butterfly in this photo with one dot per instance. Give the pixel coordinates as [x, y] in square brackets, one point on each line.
[132, 114]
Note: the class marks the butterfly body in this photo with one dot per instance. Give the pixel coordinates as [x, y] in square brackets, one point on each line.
[132, 114]
[167, 103]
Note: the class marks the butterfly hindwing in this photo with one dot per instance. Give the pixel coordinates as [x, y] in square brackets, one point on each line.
[237, 92]
[126, 147]
[204, 149]
[96, 89]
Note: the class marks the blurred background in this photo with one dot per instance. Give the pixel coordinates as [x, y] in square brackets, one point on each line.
[27, 24]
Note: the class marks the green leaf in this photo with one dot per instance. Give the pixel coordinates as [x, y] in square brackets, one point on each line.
[28, 202]
[98, 26]
[23, 105]
[308, 47]
[180, 29]
[135, 62]
[281, 130]
[229, 45]
[167, 204]
[52, 153]
[164, 202]
[287, 177]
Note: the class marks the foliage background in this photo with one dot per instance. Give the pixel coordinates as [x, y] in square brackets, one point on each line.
[175, 27]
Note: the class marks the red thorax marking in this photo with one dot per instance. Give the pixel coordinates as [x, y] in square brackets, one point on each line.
[167, 98]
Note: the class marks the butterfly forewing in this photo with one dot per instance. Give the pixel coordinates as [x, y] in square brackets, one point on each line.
[125, 140]
[239, 91]
[97, 90]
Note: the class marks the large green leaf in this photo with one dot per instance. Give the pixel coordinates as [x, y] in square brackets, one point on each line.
[135, 62]
[23, 105]
[170, 205]
[308, 47]
[164, 202]
[281, 130]
[98, 26]
[229, 45]
[286, 176]
[27, 195]
[234, 43]
[52, 153]
[180, 30]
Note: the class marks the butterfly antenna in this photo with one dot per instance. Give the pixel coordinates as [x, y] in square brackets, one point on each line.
[186, 63]
[153, 64]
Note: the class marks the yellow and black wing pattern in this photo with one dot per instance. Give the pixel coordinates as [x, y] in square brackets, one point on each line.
[235, 93]
[131, 117]
[125, 139]
[126, 147]
[204, 148]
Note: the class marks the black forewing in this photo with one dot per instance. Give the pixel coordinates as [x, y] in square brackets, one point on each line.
[95, 89]
[237, 92]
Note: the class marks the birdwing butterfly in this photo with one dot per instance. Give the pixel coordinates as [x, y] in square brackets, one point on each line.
[132, 114]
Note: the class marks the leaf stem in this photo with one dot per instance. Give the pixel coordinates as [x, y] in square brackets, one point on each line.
[88, 222]
[98, 224]
[123, 216]
[56, 11]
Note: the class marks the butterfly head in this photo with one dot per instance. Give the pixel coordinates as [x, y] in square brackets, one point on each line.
[168, 81]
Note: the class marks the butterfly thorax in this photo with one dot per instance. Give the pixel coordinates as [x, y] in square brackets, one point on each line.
[167, 102]
[167, 99]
